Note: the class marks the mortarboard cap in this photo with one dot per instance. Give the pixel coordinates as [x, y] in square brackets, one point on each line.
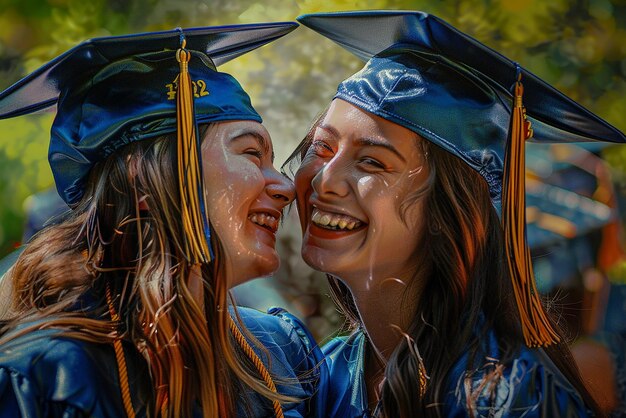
[120, 89]
[41, 88]
[116, 90]
[449, 88]
[459, 94]
[577, 169]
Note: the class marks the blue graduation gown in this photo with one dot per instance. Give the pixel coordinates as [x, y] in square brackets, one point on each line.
[530, 386]
[43, 374]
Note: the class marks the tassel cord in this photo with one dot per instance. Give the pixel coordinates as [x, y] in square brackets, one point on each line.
[189, 168]
[265, 374]
[536, 327]
[120, 359]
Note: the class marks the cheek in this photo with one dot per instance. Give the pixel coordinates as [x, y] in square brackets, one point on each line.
[393, 207]
[230, 189]
[305, 174]
[302, 183]
[364, 186]
[410, 219]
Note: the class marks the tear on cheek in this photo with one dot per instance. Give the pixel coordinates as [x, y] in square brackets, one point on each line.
[415, 171]
[364, 185]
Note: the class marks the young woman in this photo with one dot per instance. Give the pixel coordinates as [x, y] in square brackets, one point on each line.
[400, 189]
[122, 309]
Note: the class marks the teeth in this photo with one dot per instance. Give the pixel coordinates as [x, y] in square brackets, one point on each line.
[325, 220]
[264, 219]
[334, 221]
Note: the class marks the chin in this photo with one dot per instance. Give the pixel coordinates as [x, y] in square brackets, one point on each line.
[256, 262]
[261, 267]
[317, 259]
[269, 268]
[325, 261]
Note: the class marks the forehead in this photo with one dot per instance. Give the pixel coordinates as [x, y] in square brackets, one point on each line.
[348, 121]
[232, 129]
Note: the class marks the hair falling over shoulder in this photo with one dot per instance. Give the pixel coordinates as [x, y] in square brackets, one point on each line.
[110, 239]
[468, 293]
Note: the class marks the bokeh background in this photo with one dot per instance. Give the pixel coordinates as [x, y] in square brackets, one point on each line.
[577, 45]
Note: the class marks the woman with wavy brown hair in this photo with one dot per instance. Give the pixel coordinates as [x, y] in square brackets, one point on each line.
[122, 308]
[410, 191]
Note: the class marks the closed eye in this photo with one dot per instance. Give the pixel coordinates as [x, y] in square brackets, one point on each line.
[255, 152]
[321, 148]
[371, 162]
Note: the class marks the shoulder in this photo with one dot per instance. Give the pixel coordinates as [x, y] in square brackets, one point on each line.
[345, 352]
[281, 333]
[291, 348]
[295, 360]
[344, 344]
[601, 360]
[530, 385]
[42, 373]
[345, 357]
[43, 355]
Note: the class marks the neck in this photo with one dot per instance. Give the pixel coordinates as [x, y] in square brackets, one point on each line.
[386, 309]
[385, 312]
[385, 316]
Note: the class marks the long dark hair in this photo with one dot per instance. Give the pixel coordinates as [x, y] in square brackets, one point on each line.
[108, 240]
[467, 292]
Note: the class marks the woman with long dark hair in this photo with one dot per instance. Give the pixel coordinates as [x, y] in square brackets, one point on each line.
[122, 308]
[411, 198]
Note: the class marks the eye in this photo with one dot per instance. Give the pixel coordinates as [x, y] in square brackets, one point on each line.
[320, 148]
[255, 152]
[372, 164]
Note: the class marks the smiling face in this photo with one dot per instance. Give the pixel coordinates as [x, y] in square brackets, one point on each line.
[352, 188]
[245, 195]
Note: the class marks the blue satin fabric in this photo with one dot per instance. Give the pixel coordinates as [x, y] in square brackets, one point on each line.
[114, 90]
[451, 89]
[432, 97]
[530, 386]
[130, 100]
[45, 375]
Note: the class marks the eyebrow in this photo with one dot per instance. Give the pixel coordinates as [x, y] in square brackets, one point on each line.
[260, 139]
[365, 141]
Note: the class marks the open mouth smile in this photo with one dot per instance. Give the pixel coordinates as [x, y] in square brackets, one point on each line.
[265, 220]
[334, 221]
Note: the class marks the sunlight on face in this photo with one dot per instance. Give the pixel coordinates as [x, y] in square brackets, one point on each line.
[245, 195]
[352, 186]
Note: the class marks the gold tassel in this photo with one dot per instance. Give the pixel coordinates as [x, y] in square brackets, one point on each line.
[265, 374]
[120, 359]
[538, 331]
[189, 167]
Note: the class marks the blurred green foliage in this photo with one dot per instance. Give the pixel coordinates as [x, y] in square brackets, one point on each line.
[577, 45]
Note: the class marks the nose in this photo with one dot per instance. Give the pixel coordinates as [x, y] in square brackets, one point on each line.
[331, 179]
[280, 187]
